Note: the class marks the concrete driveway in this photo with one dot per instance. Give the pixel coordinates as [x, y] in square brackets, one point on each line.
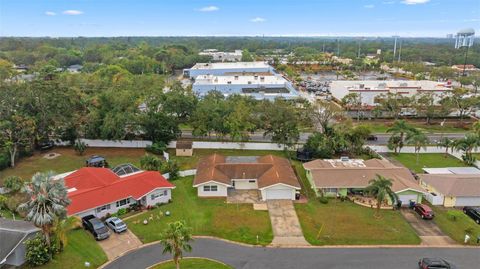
[285, 224]
[117, 244]
[427, 230]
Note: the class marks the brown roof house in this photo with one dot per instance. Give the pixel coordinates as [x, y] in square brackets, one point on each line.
[339, 177]
[273, 176]
[184, 148]
[452, 189]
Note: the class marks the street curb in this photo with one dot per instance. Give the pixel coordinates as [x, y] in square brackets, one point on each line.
[186, 258]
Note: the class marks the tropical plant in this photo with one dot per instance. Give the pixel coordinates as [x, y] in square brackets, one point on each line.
[419, 141]
[47, 201]
[175, 240]
[13, 183]
[476, 127]
[3, 202]
[400, 128]
[381, 188]
[60, 229]
[446, 143]
[37, 252]
[170, 167]
[80, 147]
[467, 144]
[395, 143]
[150, 163]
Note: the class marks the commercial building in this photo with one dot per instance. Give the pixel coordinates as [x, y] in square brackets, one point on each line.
[263, 86]
[222, 69]
[371, 91]
[222, 56]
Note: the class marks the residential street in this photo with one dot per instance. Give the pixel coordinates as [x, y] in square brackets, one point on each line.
[243, 257]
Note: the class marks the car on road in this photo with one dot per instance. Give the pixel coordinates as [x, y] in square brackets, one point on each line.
[116, 224]
[424, 211]
[96, 227]
[473, 212]
[435, 263]
[372, 138]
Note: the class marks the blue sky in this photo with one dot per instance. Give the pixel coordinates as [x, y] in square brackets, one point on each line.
[237, 17]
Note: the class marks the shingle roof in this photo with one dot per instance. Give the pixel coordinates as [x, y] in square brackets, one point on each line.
[268, 170]
[453, 185]
[12, 233]
[325, 175]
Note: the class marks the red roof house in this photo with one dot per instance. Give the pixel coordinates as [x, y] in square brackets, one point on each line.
[99, 191]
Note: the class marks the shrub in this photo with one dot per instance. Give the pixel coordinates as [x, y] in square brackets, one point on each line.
[13, 183]
[323, 200]
[80, 147]
[171, 167]
[121, 212]
[37, 251]
[150, 163]
[3, 201]
[4, 161]
[157, 148]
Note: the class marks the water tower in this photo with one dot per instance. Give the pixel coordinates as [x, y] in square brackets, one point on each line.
[464, 39]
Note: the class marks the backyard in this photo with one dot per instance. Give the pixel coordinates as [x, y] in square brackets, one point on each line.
[206, 216]
[454, 223]
[430, 160]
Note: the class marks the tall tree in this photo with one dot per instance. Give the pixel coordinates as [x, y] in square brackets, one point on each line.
[323, 113]
[400, 128]
[16, 132]
[460, 101]
[381, 188]
[175, 240]
[419, 141]
[447, 144]
[47, 201]
[281, 121]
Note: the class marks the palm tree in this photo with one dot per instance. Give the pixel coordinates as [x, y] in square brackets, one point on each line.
[62, 226]
[47, 201]
[446, 143]
[467, 145]
[419, 141]
[175, 239]
[381, 188]
[400, 127]
[476, 127]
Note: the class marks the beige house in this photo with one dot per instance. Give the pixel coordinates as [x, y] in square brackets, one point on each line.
[452, 190]
[184, 148]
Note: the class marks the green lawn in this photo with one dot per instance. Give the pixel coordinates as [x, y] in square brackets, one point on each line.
[81, 248]
[206, 216]
[382, 127]
[455, 228]
[426, 160]
[193, 263]
[69, 160]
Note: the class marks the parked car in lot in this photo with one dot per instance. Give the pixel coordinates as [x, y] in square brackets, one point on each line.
[45, 145]
[435, 263]
[424, 211]
[116, 224]
[96, 227]
[473, 212]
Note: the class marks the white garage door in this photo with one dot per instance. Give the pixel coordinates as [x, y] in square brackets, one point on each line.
[467, 201]
[406, 198]
[278, 194]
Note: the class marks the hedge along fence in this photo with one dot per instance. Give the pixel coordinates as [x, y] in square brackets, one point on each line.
[97, 143]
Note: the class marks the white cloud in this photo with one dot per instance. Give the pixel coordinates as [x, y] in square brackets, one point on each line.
[258, 19]
[50, 13]
[369, 6]
[388, 2]
[209, 9]
[414, 2]
[72, 12]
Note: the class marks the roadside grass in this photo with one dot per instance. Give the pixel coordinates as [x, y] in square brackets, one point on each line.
[193, 263]
[426, 160]
[206, 216]
[81, 248]
[69, 160]
[456, 228]
[382, 127]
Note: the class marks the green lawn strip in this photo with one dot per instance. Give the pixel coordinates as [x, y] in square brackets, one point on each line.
[193, 263]
[427, 160]
[81, 248]
[69, 160]
[206, 216]
[456, 228]
[345, 223]
[382, 127]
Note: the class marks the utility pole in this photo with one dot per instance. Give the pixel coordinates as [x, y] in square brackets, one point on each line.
[394, 49]
[400, 52]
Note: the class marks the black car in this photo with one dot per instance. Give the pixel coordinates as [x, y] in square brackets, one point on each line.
[46, 145]
[96, 227]
[435, 263]
[473, 212]
[372, 138]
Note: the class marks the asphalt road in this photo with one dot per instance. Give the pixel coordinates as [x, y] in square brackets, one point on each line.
[382, 139]
[242, 257]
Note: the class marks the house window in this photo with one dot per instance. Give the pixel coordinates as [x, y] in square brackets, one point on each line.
[210, 188]
[158, 194]
[330, 190]
[123, 202]
[103, 208]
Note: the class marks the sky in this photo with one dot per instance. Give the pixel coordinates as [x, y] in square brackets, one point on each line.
[66, 18]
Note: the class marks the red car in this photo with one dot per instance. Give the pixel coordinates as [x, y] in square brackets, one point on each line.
[424, 211]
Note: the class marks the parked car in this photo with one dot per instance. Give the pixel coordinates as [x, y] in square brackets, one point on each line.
[45, 145]
[473, 212]
[424, 211]
[96, 227]
[435, 263]
[116, 224]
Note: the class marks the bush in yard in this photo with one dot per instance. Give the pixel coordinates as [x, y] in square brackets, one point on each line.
[150, 163]
[323, 200]
[13, 183]
[157, 148]
[4, 161]
[3, 201]
[121, 212]
[80, 147]
[37, 251]
[454, 214]
[170, 167]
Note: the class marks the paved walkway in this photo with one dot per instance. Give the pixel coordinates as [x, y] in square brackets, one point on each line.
[427, 230]
[285, 224]
[244, 257]
[117, 244]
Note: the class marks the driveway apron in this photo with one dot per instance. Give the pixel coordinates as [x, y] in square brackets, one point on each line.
[285, 224]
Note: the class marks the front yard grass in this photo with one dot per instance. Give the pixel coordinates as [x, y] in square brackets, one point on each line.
[426, 160]
[456, 228]
[193, 263]
[81, 248]
[206, 216]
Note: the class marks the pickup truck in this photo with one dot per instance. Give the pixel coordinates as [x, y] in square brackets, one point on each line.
[96, 227]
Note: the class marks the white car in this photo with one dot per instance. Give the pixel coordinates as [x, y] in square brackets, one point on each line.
[116, 224]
